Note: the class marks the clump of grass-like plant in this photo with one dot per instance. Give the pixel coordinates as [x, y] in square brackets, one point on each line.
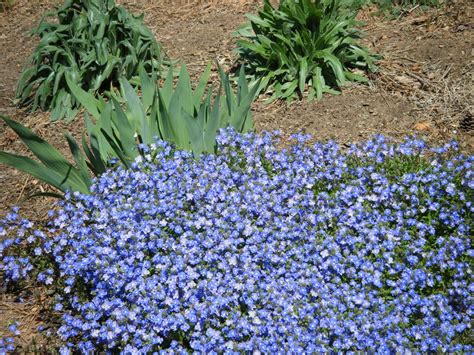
[96, 42]
[303, 47]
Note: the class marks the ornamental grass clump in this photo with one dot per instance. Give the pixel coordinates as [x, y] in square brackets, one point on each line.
[301, 250]
[96, 43]
[185, 116]
[303, 47]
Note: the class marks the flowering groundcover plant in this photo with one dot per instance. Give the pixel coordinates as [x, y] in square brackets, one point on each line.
[304, 249]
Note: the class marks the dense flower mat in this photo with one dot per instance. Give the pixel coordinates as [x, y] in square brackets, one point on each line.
[304, 249]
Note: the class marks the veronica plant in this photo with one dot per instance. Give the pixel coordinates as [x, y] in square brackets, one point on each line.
[303, 46]
[96, 42]
[309, 249]
[177, 114]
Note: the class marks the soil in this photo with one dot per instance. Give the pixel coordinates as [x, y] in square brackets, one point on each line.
[423, 86]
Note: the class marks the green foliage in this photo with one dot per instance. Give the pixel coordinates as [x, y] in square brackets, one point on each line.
[96, 43]
[303, 46]
[53, 168]
[177, 114]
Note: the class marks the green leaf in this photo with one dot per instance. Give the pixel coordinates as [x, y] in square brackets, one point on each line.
[54, 170]
[95, 43]
[125, 130]
[199, 92]
[318, 83]
[243, 117]
[87, 100]
[48, 155]
[79, 158]
[212, 124]
[355, 77]
[167, 89]
[164, 120]
[301, 42]
[136, 112]
[257, 20]
[178, 122]
[111, 64]
[95, 164]
[35, 169]
[229, 97]
[184, 91]
[303, 74]
[252, 47]
[288, 89]
[311, 92]
[196, 132]
[242, 85]
[335, 64]
[57, 79]
[59, 107]
[123, 158]
[97, 147]
[148, 87]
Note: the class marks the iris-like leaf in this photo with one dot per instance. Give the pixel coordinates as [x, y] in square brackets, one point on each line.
[117, 150]
[78, 157]
[135, 110]
[148, 87]
[178, 121]
[184, 91]
[88, 101]
[94, 162]
[196, 131]
[125, 130]
[303, 73]
[200, 89]
[53, 168]
[176, 114]
[40, 172]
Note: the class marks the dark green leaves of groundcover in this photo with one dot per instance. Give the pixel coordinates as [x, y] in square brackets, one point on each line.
[96, 43]
[303, 46]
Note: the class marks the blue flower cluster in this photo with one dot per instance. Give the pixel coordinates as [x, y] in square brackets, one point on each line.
[304, 249]
[8, 344]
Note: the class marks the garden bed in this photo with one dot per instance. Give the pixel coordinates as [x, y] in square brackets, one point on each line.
[421, 88]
